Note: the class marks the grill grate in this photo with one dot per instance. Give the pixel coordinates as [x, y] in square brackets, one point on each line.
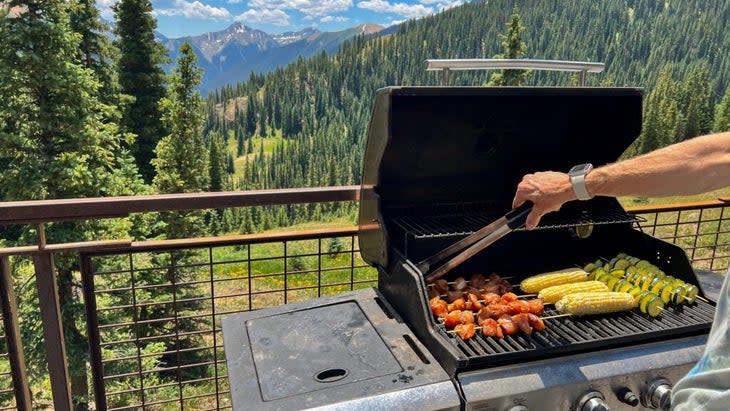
[466, 223]
[568, 334]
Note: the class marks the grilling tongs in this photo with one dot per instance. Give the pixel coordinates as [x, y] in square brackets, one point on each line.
[475, 242]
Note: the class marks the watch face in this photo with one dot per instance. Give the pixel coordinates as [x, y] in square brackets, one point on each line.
[580, 169]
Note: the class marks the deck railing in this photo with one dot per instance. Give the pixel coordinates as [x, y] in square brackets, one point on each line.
[153, 308]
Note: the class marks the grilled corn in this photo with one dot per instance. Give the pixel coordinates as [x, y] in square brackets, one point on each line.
[537, 283]
[595, 303]
[552, 294]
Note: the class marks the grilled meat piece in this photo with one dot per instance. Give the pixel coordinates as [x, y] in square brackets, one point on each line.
[494, 311]
[490, 328]
[491, 298]
[465, 331]
[536, 322]
[439, 307]
[509, 297]
[441, 285]
[522, 321]
[472, 302]
[508, 326]
[459, 284]
[518, 306]
[536, 306]
[478, 281]
[458, 304]
[452, 296]
[453, 318]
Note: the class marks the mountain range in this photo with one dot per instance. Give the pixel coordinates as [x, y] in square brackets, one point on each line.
[230, 55]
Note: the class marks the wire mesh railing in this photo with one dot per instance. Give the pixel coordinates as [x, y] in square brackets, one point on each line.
[154, 307]
[701, 229]
[154, 315]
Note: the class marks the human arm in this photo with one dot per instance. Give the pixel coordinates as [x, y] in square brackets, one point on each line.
[690, 167]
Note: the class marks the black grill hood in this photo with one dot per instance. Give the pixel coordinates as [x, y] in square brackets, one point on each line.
[434, 146]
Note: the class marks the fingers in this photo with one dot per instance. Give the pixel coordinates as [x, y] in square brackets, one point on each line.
[533, 219]
[518, 201]
[521, 193]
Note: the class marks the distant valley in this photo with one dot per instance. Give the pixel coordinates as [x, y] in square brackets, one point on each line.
[230, 55]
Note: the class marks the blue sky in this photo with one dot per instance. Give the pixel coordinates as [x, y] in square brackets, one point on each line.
[177, 18]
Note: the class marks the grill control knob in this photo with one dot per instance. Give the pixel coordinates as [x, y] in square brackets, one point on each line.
[592, 401]
[627, 396]
[658, 394]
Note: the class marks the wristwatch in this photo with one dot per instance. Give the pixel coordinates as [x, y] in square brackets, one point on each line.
[577, 176]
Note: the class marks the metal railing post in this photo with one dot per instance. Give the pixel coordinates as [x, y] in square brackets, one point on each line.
[53, 330]
[12, 337]
[92, 329]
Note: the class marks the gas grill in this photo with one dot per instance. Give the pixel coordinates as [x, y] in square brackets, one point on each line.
[441, 163]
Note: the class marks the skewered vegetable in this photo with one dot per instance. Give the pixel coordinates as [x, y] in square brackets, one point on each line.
[587, 303]
[539, 282]
[641, 276]
[552, 294]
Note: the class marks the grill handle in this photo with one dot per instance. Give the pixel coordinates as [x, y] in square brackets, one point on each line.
[518, 216]
[486, 236]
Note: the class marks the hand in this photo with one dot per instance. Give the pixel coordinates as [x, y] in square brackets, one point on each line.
[548, 190]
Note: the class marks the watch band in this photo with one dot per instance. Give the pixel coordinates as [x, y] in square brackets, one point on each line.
[579, 187]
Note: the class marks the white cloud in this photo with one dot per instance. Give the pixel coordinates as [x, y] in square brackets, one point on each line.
[330, 19]
[443, 4]
[403, 9]
[195, 10]
[310, 8]
[234, 1]
[270, 16]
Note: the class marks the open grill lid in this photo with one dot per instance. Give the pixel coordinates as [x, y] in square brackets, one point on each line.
[434, 146]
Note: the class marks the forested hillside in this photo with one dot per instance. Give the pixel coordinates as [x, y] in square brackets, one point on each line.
[314, 113]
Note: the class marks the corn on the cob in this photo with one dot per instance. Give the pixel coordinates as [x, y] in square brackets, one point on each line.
[595, 303]
[552, 294]
[537, 283]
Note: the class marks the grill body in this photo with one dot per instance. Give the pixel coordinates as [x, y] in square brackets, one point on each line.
[441, 163]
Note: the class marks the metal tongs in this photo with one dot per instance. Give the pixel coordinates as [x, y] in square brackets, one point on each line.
[475, 242]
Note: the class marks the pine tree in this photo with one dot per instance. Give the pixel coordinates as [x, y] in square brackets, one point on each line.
[216, 162]
[514, 48]
[141, 77]
[250, 116]
[696, 99]
[182, 167]
[182, 160]
[661, 117]
[722, 113]
[57, 140]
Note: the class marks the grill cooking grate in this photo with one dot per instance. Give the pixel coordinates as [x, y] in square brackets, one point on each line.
[466, 223]
[569, 334]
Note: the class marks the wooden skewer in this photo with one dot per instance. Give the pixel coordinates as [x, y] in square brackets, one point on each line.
[555, 316]
[468, 281]
[702, 299]
[519, 296]
[477, 327]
